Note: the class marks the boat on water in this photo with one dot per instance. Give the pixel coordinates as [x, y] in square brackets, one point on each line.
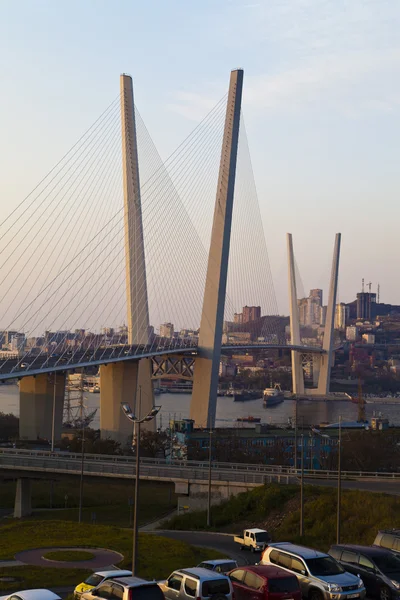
[273, 396]
[244, 395]
[249, 419]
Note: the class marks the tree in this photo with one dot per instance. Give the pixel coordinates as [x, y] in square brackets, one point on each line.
[154, 444]
[9, 427]
[93, 443]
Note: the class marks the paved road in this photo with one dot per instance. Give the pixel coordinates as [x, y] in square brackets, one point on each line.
[217, 541]
[369, 485]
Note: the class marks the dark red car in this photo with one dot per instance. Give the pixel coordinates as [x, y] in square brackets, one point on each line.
[264, 582]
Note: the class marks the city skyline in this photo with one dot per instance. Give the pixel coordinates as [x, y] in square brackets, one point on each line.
[313, 107]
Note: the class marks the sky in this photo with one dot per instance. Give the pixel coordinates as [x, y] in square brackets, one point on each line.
[321, 102]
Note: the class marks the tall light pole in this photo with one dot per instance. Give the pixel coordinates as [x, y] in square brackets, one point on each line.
[136, 442]
[53, 422]
[209, 479]
[302, 488]
[339, 485]
[82, 452]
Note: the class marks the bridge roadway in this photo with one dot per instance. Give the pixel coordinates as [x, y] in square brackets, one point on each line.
[40, 464]
[31, 364]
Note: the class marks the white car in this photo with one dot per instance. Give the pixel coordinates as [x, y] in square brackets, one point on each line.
[32, 595]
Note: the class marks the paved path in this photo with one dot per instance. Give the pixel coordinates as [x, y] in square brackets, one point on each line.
[216, 541]
[103, 558]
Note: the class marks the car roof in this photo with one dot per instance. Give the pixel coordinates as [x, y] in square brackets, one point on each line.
[256, 530]
[395, 532]
[198, 572]
[114, 573]
[133, 581]
[268, 571]
[301, 551]
[217, 561]
[36, 595]
[371, 550]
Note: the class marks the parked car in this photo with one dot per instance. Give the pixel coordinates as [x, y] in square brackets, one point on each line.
[389, 539]
[32, 595]
[125, 588]
[264, 583]
[197, 583]
[220, 565]
[253, 539]
[320, 576]
[96, 578]
[379, 568]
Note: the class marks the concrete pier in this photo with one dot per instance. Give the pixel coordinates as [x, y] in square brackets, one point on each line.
[38, 396]
[23, 499]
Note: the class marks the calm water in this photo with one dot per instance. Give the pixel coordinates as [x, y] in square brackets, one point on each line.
[178, 405]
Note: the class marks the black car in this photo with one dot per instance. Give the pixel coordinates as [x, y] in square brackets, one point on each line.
[378, 568]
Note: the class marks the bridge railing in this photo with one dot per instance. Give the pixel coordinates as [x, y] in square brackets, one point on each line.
[125, 465]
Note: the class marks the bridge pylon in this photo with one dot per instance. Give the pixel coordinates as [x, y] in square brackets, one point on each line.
[297, 371]
[122, 382]
[206, 370]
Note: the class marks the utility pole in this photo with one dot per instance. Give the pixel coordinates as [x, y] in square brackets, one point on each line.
[339, 487]
[295, 435]
[302, 488]
[209, 479]
[53, 422]
[82, 453]
[136, 438]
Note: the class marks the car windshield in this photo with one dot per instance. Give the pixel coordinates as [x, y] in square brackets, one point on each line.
[263, 536]
[94, 579]
[387, 563]
[324, 566]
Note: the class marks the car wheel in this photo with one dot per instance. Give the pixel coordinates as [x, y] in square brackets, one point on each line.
[385, 593]
[315, 595]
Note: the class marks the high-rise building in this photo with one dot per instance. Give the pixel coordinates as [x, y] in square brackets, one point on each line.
[341, 316]
[251, 313]
[167, 330]
[317, 295]
[311, 311]
[366, 305]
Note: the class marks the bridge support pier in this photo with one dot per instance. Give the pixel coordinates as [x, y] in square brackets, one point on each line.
[119, 382]
[23, 499]
[297, 370]
[36, 401]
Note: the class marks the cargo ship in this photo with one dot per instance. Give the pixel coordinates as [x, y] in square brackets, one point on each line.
[244, 395]
[273, 396]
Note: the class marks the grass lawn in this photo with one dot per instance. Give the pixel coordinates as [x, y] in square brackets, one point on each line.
[276, 508]
[158, 556]
[41, 577]
[69, 555]
[108, 500]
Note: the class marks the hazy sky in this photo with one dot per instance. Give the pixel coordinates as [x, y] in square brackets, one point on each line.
[321, 102]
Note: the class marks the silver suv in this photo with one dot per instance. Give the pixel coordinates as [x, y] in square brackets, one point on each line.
[185, 584]
[125, 588]
[320, 576]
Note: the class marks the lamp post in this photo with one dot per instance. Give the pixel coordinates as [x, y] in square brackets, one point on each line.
[209, 479]
[339, 485]
[53, 422]
[82, 416]
[302, 488]
[137, 421]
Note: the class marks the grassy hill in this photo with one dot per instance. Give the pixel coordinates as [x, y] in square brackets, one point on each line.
[277, 509]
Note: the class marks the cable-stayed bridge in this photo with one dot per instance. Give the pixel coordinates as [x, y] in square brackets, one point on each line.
[114, 235]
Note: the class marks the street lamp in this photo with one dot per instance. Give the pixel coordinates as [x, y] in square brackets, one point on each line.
[209, 479]
[127, 410]
[302, 488]
[339, 481]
